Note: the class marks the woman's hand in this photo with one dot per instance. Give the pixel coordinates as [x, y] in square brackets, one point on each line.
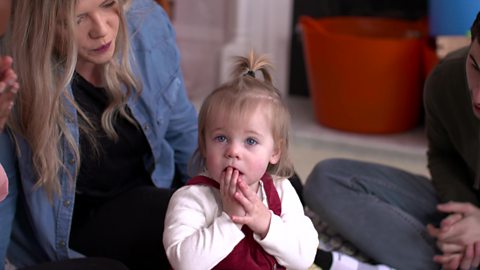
[8, 89]
[257, 216]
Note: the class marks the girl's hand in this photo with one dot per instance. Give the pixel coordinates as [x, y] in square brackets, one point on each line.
[228, 187]
[3, 183]
[257, 216]
[8, 89]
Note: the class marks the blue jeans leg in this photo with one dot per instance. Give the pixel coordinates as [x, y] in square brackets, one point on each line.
[382, 210]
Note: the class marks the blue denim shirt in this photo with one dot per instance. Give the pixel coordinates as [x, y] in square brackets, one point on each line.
[165, 114]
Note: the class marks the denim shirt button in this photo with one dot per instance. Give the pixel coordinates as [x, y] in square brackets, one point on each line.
[62, 243]
[67, 203]
[72, 161]
[146, 127]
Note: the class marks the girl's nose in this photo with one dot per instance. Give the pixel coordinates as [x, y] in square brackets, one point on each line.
[233, 151]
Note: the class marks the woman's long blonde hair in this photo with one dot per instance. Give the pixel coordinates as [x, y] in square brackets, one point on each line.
[45, 64]
[237, 99]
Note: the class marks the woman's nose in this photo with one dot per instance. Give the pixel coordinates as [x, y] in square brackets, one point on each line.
[476, 95]
[99, 26]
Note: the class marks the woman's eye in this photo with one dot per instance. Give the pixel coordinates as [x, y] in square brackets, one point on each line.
[220, 138]
[475, 66]
[109, 4]
[474, 63]
[80, 19]
[251, 141]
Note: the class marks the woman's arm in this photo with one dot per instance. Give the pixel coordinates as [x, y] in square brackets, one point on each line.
[8, 205]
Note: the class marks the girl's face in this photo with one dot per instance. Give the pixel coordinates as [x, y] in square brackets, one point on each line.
[96, 29]
[246, 145]
[473, 75]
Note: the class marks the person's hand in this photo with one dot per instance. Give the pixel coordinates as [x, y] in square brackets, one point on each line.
[451, 254]
[466, 260]
[3, 183]
[257, 216]
[457, 237]
[228, 188]
[462, 231]
[8, 89]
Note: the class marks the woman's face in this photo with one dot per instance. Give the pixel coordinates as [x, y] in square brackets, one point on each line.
[473, 75]
[96, 29]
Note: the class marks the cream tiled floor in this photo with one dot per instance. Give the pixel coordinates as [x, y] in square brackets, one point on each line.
[311, 142]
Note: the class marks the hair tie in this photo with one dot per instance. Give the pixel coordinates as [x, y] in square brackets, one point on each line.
[250, 73]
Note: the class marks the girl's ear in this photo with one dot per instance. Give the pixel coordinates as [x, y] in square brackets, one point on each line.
[276, 154]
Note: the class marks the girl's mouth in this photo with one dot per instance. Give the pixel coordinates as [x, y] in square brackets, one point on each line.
[233, 169]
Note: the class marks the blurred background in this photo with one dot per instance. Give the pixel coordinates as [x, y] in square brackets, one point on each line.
[372, 111]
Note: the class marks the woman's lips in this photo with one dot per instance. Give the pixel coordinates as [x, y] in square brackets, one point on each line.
[103, 48]
[476, 107]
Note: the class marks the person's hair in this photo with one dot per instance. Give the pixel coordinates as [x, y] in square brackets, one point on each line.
[475, 28]
[237, 99]
[41, 41]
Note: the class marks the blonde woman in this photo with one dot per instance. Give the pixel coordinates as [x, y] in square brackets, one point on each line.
[241, 212]
[98, 135]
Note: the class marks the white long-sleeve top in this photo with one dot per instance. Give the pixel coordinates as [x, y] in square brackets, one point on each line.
[198, 234]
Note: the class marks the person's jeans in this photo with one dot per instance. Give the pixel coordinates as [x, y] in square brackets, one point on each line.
[382, 210]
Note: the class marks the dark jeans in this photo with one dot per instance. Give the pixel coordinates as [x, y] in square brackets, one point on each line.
[382, 210]
[81, 264]
[127, 228]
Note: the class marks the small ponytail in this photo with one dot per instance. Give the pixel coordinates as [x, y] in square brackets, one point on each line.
[247, 66]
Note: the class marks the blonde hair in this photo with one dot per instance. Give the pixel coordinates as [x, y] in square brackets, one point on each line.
[45, 62]
[239, 98]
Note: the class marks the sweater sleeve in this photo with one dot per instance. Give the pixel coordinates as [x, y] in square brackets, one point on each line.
[450, 129]
[195, 227]
[291, 238]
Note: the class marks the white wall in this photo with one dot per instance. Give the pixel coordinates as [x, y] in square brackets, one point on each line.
[209, 32]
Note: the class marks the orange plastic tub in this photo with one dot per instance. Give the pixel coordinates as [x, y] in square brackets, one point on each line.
[365, 74]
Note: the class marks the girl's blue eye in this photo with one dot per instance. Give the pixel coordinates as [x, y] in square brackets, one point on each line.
[251, 141]
[220, 138]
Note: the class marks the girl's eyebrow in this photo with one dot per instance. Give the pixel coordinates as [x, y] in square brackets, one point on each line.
[473, 60]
